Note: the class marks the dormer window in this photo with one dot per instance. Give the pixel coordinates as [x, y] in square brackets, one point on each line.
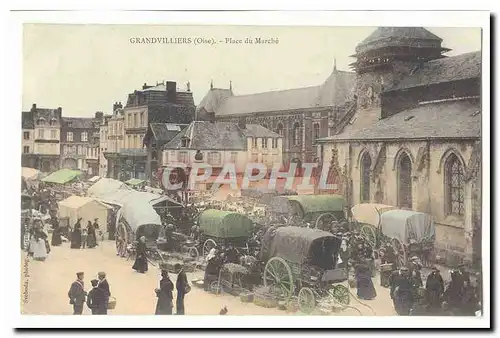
[53, 121]
[40, 121]
[184, 142]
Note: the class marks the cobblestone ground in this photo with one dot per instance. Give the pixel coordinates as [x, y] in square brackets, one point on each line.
[45, 286]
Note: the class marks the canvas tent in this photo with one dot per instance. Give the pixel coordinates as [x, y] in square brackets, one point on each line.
[106, 186]
[87, 208]
[62, 176]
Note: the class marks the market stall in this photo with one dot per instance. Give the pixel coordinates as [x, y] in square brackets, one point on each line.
[87, 208]
[106, 186]
[62, 176]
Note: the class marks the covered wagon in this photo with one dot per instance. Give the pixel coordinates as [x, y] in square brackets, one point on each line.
[411, 233]
[221, 228]
[303, 262]
[368, 218]
[322, 211]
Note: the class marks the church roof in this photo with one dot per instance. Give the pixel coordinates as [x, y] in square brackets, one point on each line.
[453, 68]
[335, 91]
[381, 33]
[446, 119]
[204, 135]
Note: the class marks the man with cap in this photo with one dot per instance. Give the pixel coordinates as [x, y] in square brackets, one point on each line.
[415, 272]
[434, 288]
[182, 286]
[401, 291]
[96, 301]
[104, 286]
[77, 294]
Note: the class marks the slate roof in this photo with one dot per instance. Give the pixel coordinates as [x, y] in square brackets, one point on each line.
[204, 135]
[165, 131]
[445, 119]
[453, 68]
[27, 120]
[335, 91]
[381, 33]
[45, 113]
[79, 122]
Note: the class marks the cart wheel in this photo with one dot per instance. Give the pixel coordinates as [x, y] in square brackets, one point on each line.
[278, 276]
[341, 294]
[207, 246]
[400, 251]
[328, 217]
[368, 233]
[306, 300]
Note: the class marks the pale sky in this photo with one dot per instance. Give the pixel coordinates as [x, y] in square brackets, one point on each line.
[86, 68]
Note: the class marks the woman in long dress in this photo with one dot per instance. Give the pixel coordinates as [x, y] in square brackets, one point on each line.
[56, 233]
[141, 260]
[40, 248]
[76, 235]
[91, 235]
[164, 293]
[32, 241]
[364, 282]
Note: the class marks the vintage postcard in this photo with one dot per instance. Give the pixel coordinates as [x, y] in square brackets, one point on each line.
[253, 170]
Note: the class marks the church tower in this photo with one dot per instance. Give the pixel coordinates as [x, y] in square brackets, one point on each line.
[389, 54]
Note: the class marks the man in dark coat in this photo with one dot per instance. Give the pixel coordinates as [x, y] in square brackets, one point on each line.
[454, 292]
[96, 301]
[164, 293]
[141, 260]
[104, 287]
[77, 294]
[56, 233]
[182, 287]
[434, 288]
[401, 291]
[91, 236]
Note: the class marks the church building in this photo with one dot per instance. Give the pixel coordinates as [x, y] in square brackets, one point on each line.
[413, 139]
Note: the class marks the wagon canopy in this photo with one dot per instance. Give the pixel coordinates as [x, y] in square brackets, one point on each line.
[368, 213]
[224, 224]
[138, 212]
[299, 245]
[312, 203]
[106, 186]
[406, 225]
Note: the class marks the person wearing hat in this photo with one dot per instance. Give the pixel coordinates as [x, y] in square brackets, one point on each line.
[401, 291]
[415, 272]
[434, 288]
[182, 286]
[164, 304]
[96, 301]
[141, 260]
[77, 294]
[454, 292]
[212, 269]
[464, 274]
[104, 286]
[76, 235]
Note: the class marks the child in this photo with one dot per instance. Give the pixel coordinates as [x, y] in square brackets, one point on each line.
[84, 238]
[96, 299]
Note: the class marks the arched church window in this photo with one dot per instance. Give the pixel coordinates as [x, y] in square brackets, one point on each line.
[366, 162]
[296, 133]
[454, 186]
[405, 198]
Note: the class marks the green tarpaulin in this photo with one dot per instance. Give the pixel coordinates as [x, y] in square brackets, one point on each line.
[319, 203]
[134, 181]
[224, 224]
[62, 176]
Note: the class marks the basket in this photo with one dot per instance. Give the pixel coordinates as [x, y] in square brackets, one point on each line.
[112, 303]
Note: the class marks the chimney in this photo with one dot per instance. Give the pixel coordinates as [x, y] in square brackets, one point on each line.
[59, 112]
[171, 91]
[242, 123]
[117, 105]
[33, 107]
